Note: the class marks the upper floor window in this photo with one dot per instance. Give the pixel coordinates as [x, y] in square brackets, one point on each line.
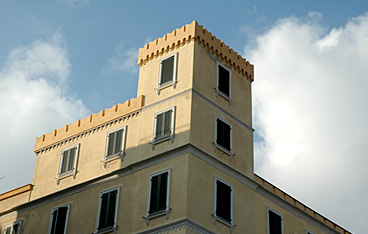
[108, 210]
[68, 162]
[223, 136]
[159, 192]
[223, 81]
[164, 126]
[59, 219]
[115, 144]
[274, 222]
[13, 228]
[167, 73]
[309, 232]
[223, 207]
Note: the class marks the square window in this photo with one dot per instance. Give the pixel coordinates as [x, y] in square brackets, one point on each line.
[164, 126]
[108, 209]
[59, 219]
[167, 74]
[13, 228]
[223, 81]
[274, 222]
[68, 162]
[223, 201]
[223, 135]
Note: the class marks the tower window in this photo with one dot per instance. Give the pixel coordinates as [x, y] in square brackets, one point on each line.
[115, 144]
[223, 201]
[68, 162]
[59, 219]
[223, 135]
[167, 73]
[164, 126]
[274, 222]
[13, 228]
[223, 81]
[108, 209]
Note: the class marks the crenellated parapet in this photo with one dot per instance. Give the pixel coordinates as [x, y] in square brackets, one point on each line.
[130, 107]
[196, 33]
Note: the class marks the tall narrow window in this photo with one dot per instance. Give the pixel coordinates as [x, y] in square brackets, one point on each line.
[13, 228]
[164, 126]
[167, 75]
[115, 144]
[223, 201]
[108, 209]
[159, 193]
[59, 219]
[223, 81]
[223, 135]
[274, 222]
[68, 162]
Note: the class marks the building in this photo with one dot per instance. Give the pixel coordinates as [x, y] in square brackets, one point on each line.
[176, 159]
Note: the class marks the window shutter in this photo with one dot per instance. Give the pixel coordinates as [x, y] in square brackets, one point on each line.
[72, 153]
[64, 161]
[159, 124]
[61, 220]
[167, 118]
[110, 148]
[167, 70]
[154, 192]
[103, 211]
[119, 138]
[163, 191]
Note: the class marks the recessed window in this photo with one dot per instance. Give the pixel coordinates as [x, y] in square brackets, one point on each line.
[223, 81]
[223, 135]
[59, 219]
[158, 196]
[274, 222]
[164, 126]
[68, 162]
[13, 228]
[223, 202]
[108, 210]
[115, 144]
[167, 74]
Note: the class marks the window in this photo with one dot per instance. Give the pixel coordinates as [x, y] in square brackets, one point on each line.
[309, 232]
[59, 219]
[167, 73]
[68, 162]
[158, 197]
[274, 222]
[108, 210]
[13, 228]
[223, 81]
[164, 126]
[223, 136]
[223, 202]
[115, 144]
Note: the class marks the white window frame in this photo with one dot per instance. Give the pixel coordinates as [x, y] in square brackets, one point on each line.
[218, 92]
[220, 147]
[308, 232]
[174, 79]
[164, 212]
[115, 227]
[121, 154]
[72, 172]
[218, 218]
[66, 218]
[172, 126]
[268, 220]
[11, 225]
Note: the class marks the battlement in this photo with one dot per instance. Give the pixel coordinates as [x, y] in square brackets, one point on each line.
[90, 122]
[196, 33]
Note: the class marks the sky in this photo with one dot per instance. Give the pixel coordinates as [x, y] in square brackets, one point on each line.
[63, 60]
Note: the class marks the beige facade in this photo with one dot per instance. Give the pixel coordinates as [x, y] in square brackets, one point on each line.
[176, 159]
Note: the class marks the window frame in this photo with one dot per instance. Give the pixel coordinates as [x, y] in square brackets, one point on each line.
[220, 147]
[66, 218]
[121, 154]
[162, 212]
[218, 91]
[268, 220]
[171, 136]
[72, 172]
[219, 218]
[174, 78]
[11, 226]
[308, 232]
[113, 228]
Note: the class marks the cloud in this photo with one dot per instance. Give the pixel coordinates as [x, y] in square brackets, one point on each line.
[34, 99]
[124, 60]
[310, 107]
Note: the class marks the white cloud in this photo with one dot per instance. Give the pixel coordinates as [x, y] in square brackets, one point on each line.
[310, 107]
[34, 99]
[123, 60]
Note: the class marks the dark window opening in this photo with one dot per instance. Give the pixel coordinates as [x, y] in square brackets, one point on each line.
[158, 198]
[223, 137]
[107, 210]
[223, 80]
[223, 201]
[275, 223]
[58, 222]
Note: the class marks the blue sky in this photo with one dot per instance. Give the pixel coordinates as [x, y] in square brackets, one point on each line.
[63, 60]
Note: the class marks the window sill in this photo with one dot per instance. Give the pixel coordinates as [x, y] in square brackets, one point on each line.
[162, 139]
[225, 96]
[112, 158]
[107, 230]
[223, 150]
[65, 175]
[223, 221]
[157, 214]
[165, 85]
